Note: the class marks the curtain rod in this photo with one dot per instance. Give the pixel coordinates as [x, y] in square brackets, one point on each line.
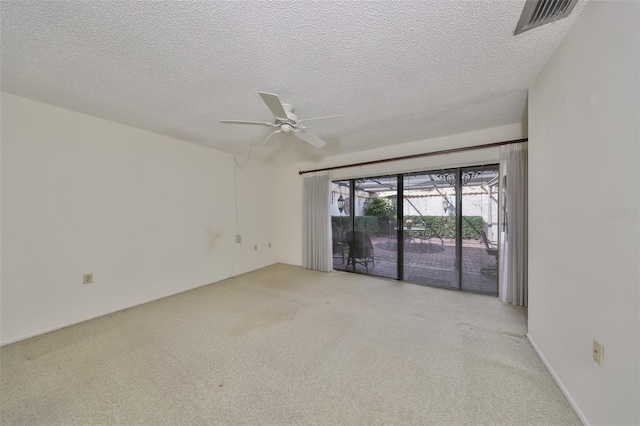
[424, 154]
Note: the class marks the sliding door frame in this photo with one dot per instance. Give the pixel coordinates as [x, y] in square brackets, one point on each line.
[458, 236]
[399, 223]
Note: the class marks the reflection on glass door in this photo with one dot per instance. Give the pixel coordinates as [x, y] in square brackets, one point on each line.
[480, 229]
[429, 229]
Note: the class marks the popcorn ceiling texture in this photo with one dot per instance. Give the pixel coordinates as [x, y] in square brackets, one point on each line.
[397, 71]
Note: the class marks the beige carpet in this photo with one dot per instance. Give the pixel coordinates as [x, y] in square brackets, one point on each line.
[283, 345]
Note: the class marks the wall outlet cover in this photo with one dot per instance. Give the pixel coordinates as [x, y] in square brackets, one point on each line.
[598, 352]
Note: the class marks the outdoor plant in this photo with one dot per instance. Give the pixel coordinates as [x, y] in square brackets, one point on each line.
[379, 207]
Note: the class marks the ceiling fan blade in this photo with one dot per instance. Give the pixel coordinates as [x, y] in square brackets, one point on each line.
[311, 139]
[318, 124]
[274, 104]
[256, 123]
[269, 139]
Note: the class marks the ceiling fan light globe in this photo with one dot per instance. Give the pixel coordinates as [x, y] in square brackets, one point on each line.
[286, 128]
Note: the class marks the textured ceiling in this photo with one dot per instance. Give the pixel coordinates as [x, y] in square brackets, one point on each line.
[397, 71]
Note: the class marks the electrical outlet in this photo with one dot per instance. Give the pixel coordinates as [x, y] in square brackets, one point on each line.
[598, 352]
[255, 248]
[238, 239]
[269, 245]
[87, 279]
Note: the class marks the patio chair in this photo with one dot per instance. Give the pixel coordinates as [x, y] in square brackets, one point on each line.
[392, 233]
[338, 244]
[490, 271]
[360, 249]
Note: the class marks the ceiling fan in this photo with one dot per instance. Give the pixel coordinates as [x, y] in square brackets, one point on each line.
[287, 122]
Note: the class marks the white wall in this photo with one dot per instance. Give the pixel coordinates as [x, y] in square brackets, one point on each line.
[583, 263]
[148, 215]
[290, 183]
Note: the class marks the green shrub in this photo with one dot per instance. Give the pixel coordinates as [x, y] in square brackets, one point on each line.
[444, 226]
[379, 207]
[368, 224]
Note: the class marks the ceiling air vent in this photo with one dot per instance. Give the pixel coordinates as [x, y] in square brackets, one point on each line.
[540, 12]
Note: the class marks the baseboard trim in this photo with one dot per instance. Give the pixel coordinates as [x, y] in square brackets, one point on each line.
[561, 385]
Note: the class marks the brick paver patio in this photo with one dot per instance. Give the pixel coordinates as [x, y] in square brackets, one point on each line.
[431, 263]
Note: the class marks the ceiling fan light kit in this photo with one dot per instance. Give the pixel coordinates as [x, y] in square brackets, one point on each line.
[286, 122]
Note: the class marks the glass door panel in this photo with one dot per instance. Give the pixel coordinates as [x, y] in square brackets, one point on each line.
[429, 229]
[340, 222]
[480, 229]
[373, 249]
[362, 223]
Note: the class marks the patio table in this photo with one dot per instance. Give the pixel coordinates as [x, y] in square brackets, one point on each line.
[407, 232]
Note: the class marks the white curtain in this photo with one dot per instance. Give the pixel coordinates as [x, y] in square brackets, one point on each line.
[316, 223]
[513, 270]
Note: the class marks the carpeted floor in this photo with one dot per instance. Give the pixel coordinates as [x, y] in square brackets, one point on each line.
[283, 345]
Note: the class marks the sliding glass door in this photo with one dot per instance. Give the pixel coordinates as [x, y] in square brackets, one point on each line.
[436, 228]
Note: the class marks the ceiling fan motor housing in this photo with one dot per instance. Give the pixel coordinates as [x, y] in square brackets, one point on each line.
[291, 123]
